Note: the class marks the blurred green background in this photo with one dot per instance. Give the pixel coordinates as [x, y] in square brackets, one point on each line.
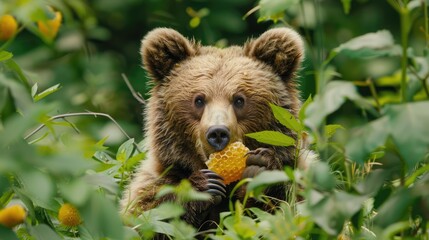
[100, 39]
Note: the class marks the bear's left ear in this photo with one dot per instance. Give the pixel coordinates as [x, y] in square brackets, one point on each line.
[161, 49]
[281, 48]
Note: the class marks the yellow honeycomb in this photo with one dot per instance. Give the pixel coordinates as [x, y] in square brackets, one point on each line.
[230, 162]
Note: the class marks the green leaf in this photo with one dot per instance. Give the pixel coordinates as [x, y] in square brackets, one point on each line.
[272, 138]
[394, 209]
[405, 123]
[76, 191]
[274, 9]
[369, 45]
[102, 180]
[17, 69]
[346, 5]
[39, 187]
[47, 92]
[286, 118]
[370, 185]
[164, 211]
[134, 160]
[331, 129]
[332, 211]
[101, 217]
[327, 102]
[322, 176]
[304, 106]
[408, 125]
[125, 150]
[264, 179]
[43, 232]
[366, 139]
[20, 95]
[7, 233]
[4, 55]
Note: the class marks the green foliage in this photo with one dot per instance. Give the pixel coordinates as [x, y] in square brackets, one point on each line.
[371, 179]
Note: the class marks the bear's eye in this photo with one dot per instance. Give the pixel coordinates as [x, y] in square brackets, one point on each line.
[199, 101]
[238, 101]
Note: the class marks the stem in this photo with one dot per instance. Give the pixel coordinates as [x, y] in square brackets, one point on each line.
[135, 94]
[374, 94]
[405, 29]
[94, 114]
[425, 14]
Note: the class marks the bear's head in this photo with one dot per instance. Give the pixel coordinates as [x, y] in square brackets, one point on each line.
[204, 97]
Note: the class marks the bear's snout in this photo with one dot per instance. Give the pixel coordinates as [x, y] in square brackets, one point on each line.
[218, 137]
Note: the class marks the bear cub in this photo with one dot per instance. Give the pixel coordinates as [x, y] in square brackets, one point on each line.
[204, 98]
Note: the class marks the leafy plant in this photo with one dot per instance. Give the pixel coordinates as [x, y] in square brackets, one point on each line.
[369, 129]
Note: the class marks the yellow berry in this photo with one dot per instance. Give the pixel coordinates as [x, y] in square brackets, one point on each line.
[68, 215]
[49, 28]
[8, 27]
[12, 216]
[230, 162]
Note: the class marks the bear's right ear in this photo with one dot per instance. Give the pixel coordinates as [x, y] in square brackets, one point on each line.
[161, 49]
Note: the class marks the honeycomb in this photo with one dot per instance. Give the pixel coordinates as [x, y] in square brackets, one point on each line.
[230, 162]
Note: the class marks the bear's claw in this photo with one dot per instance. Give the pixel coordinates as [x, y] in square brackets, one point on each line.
[215, 185]
[258, 160]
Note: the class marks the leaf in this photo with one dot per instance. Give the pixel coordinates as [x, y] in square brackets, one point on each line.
[322, 177]
[164, 211]
[264, 179]
[76, 191]
[47, 92]
[7, 233]
[370, 185]
[20, 95]
[274, 9]
[286, 118]
[405, 123]
[409, 129]
[34, 90]
[39, 187]
[134, 160]
[17, 69]
[368, 45]
[395, 208]
[4, 55]
[346, 5]
[125, 150]
[101, 217]
[272, 138]
[304, 106]
[332, 211]
[366, 139]
[327, 102]
[102, 180]
[43, 232]
[331, 129]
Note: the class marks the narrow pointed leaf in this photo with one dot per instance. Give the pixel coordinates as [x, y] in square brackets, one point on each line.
[286, 118]
[272, 138]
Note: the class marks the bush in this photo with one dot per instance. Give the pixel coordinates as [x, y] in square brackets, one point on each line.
[367, 120]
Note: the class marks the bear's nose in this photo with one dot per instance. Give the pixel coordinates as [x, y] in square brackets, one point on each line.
[218, 137]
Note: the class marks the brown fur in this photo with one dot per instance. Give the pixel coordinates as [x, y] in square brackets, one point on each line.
[261, 72]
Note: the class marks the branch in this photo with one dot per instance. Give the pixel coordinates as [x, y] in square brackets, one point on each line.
[94, 114]
[136, 95]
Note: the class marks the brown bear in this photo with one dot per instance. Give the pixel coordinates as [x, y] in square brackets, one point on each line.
[204, 98]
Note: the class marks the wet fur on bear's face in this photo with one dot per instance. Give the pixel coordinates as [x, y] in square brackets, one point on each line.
[197, 87]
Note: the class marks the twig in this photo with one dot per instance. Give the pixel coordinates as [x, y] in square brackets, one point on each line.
[94, 114]
[136, 95]
[422, 79]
